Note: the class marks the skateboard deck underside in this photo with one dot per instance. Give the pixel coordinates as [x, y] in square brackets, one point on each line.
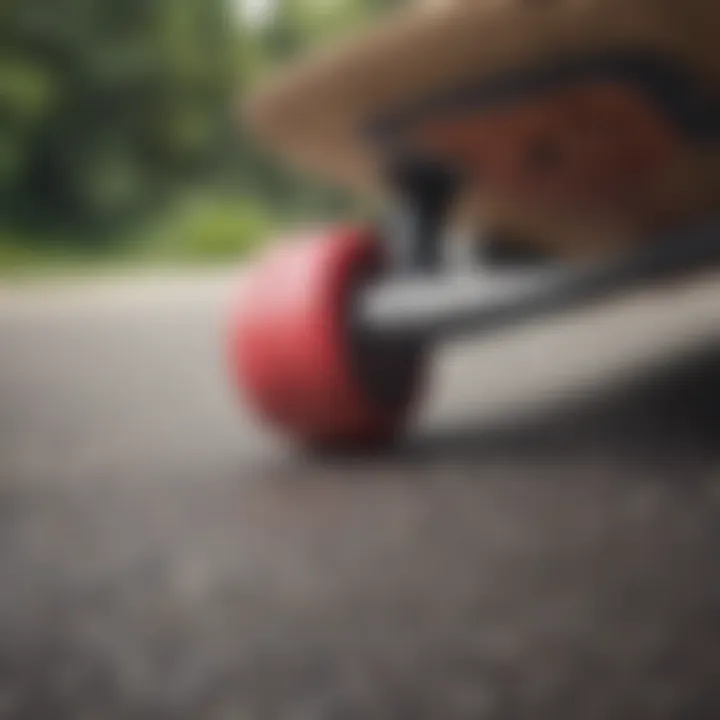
[604, 145]
[595, 153]
[575, 153]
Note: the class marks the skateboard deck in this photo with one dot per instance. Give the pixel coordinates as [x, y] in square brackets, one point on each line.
[567, 144]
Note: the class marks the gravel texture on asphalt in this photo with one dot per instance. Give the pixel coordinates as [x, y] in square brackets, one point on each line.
[544, 545]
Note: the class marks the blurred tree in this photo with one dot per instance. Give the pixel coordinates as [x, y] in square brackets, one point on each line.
[107, 107]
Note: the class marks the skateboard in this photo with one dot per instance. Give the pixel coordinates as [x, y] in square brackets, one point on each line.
[330, 339]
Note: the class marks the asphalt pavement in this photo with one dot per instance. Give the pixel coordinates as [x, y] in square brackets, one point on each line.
[544, 544]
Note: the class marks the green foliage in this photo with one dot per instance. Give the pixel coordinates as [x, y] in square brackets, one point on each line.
[209, 230]
[107, 106]
[13, 254]
[110, 110]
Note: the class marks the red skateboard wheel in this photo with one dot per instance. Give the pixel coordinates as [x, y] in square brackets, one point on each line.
[293, 354]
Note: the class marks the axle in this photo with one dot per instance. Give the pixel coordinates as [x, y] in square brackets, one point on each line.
[429, 306]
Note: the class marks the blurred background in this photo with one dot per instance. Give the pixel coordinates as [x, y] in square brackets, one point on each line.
[544, 544]
[119, 139]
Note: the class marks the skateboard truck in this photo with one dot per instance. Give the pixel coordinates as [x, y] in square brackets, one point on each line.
[434, 306]
[420, 300]
[329, 341]
[425, 191]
